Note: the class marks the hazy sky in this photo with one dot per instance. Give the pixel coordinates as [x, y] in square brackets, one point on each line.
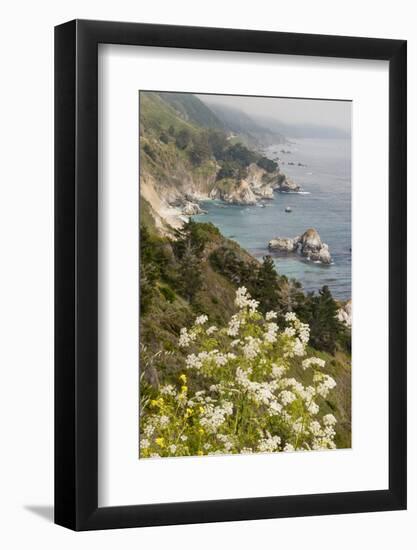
[335, 114]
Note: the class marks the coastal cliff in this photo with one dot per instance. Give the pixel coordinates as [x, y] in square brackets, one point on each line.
[182, 163]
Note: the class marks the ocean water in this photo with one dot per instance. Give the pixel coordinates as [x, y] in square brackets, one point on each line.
[324, 204]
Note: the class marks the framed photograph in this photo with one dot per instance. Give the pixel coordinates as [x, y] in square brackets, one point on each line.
[230, 248]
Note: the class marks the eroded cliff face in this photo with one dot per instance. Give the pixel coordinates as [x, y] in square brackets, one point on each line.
[173, 186]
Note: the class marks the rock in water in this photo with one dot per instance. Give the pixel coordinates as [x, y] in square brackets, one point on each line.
[191, 209]
[310, 241]
[288, 185]
[312, 247]
[283, 244]
[309, 244]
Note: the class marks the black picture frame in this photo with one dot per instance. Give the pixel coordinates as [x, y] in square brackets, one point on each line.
[76, 272]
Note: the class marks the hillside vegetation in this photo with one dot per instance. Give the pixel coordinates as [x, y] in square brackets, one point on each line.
[191, 271]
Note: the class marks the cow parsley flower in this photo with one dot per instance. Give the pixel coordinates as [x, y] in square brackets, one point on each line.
[243, 300]
[287, 397]
[186, 338]
[234, 325]
[269, 444]
[329, 420]
[313, 361]
[271, 333]
[251, 348]
[201, 320]
[290, 316]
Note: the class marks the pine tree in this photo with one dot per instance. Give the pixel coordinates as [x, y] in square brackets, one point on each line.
[190, 276]
[266, 286]
[188, 249]
[325, 329]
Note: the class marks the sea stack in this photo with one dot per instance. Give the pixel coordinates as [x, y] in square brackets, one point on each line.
[312, 247]
[309, 245]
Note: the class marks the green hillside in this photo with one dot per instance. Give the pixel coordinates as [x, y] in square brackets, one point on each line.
[190, 108]
[194, 271]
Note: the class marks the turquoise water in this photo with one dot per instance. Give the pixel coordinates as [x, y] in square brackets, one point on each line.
[325, 204]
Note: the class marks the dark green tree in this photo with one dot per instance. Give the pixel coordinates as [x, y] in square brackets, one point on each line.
[267, 164]
[183, 138]
[188, 248]
[266, 285]
[200, 149]
[149, 271]
[321, 314]
[190, 276]
[218, 142]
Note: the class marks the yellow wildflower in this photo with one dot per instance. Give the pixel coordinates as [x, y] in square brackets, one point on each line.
[160, 441]
[188, 412]
[183, 378]
[184, 389]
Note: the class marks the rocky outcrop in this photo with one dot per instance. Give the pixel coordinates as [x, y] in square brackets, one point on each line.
[288, 186]
[284, 244]
[313, 248]
[344, 314]
[174, 189]
[240, 193]
[308, 245]
[192, 209]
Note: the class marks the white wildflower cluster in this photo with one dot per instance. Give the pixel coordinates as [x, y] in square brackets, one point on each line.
[323, 436]
[244, 300]
[269, 444]
[234, 326]
[213, 417]
[252, 347]
[262, 393]
[201, 320]
[163, 421]
[235, 395]
[298, 334]
[246, 451]
[270, 335]
[313, 362]
[167, 389]
[186, 338]
[277, 371]
[227, 442]
[287, 397]
[324, 382]
[215, 357]
[329, 420]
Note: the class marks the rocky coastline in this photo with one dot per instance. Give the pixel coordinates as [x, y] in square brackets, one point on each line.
[258, 186]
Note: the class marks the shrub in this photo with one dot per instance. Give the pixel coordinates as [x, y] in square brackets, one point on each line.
[167, 293]
[234, 395]
[267, 164]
